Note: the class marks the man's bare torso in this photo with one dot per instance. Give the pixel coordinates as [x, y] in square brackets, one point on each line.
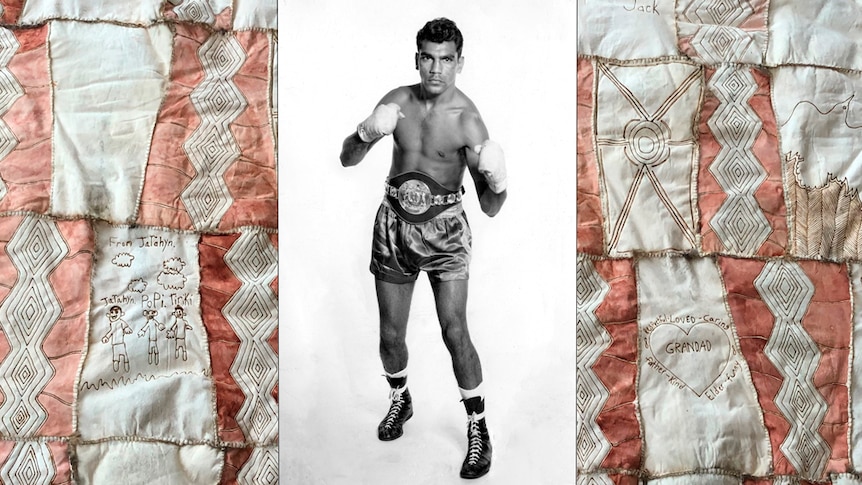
[433, 136]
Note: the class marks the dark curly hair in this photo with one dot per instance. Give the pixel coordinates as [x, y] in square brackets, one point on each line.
[440, 30]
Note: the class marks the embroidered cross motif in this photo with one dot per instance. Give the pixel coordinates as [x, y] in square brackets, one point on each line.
[648, 143]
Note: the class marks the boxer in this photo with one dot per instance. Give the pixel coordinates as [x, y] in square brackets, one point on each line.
[437, 134]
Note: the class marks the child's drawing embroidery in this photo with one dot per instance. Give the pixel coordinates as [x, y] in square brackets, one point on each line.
[151, 329]
[116, 336]
[178, 332]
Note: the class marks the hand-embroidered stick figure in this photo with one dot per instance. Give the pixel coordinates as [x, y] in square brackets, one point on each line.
[117, 330]
[178, 331]
[152, 326]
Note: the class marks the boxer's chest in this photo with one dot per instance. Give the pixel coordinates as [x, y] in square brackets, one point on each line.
[432, 134]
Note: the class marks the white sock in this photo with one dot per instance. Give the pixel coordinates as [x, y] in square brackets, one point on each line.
[397, 375]
[477, 391]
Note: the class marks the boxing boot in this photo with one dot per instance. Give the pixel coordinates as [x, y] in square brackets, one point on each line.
[400, 410]
[478, 459]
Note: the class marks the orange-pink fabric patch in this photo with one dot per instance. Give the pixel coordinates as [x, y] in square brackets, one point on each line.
[617, 366]
[26, 171]
[251, 179]
[589, 205]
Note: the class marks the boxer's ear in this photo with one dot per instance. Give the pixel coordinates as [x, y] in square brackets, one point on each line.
[460, 64]
[416, 60]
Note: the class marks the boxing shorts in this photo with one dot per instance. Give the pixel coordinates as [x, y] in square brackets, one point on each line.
[420, 226]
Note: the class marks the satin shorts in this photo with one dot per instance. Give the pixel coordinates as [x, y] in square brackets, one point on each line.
[441, 247]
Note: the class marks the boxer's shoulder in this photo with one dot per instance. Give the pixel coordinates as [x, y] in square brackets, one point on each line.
[400, 95]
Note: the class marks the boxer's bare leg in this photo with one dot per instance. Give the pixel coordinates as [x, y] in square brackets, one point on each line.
[393, 301]
[451, 300]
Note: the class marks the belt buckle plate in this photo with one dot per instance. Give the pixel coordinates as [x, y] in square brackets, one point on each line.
[414, 196]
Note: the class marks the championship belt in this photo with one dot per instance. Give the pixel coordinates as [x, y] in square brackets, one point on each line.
[417, 198]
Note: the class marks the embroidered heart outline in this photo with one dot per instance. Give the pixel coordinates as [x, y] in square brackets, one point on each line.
[697, 356]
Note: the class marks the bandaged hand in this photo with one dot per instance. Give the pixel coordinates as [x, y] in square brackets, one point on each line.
[382, 122]
[492, 165]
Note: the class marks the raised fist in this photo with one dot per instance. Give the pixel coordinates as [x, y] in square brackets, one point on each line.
[492, 164]
[382, 122]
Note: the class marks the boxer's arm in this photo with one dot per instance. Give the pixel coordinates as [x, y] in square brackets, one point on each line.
[476, 134]
[354, 148]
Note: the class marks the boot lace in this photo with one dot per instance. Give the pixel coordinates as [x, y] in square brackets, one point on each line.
[395, 395]
[474, 447]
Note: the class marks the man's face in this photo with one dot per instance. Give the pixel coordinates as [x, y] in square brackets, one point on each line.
[438, 64]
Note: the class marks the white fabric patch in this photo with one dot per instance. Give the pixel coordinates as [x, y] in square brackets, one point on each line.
[255, 14]
[695, 387]
[142, 462]
[700, 479]
[627, 29]
[102, 176]
[821, 32]
[147, 358]
[137, 12]
[819, 116]
[647, 155]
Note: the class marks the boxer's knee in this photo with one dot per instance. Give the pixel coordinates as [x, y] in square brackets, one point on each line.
[392, 336]
[455, 333]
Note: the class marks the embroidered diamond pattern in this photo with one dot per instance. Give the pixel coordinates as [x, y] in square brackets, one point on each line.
[253, 314]
[787, 292]
[212, 148]
[260, 469]
[26, 316]
[29, 462]
[591, 339]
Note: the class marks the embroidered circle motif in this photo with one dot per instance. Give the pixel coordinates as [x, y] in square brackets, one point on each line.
[646, 142]
[414, 197]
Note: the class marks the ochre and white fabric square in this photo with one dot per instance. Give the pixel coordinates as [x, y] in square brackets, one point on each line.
[213, 135]
[723, 31]
[818, 32]
[589, 213]
[627, 29]
[142, 12]
[647, 155]
[694, 385]
[102, 177]
[25, 120]
[608, 423]
[44, 322]
[147, 357]
[740, 179]
[145, 462]
[793, 320]
[819, 122]
[240, 310]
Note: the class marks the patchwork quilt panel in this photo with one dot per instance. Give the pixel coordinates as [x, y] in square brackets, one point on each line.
[138, 242]
[719, 240]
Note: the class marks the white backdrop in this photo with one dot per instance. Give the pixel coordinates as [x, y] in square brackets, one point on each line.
[337, 58]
